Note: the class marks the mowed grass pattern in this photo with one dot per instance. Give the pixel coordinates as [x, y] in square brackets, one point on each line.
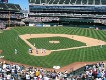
[9, 40]
[63, 43]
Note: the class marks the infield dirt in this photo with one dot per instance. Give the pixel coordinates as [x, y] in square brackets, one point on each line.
[89, 42]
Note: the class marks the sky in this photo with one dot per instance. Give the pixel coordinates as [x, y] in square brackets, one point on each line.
[22, 3]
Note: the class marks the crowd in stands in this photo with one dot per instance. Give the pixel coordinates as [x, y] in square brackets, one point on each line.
[94, 72]
[16, 72]
[7, 22]
[11, 16]
[6, 19]
[2, 21]
[50, 19]
[2, 26]
[42, 19]
[19, 72]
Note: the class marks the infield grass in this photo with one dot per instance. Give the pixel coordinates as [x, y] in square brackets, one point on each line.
[63, 43]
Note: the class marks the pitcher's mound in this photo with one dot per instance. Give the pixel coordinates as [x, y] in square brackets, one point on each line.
[54, 42]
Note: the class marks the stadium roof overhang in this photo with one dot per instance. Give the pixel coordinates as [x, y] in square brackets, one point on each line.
[33, 4]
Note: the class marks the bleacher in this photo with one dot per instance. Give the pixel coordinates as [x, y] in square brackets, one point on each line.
[2, 26]
[85, 11]
[10, 14]
[95, 71]
[76, 20]
[77, 73]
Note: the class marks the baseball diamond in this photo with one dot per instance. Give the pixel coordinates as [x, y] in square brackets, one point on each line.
[59, 57]
[53, 40]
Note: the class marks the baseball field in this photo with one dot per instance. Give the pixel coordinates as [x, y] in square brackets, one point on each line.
[64, 45]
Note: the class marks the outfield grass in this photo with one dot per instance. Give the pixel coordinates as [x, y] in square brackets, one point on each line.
[9, 40]
[63, 43]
